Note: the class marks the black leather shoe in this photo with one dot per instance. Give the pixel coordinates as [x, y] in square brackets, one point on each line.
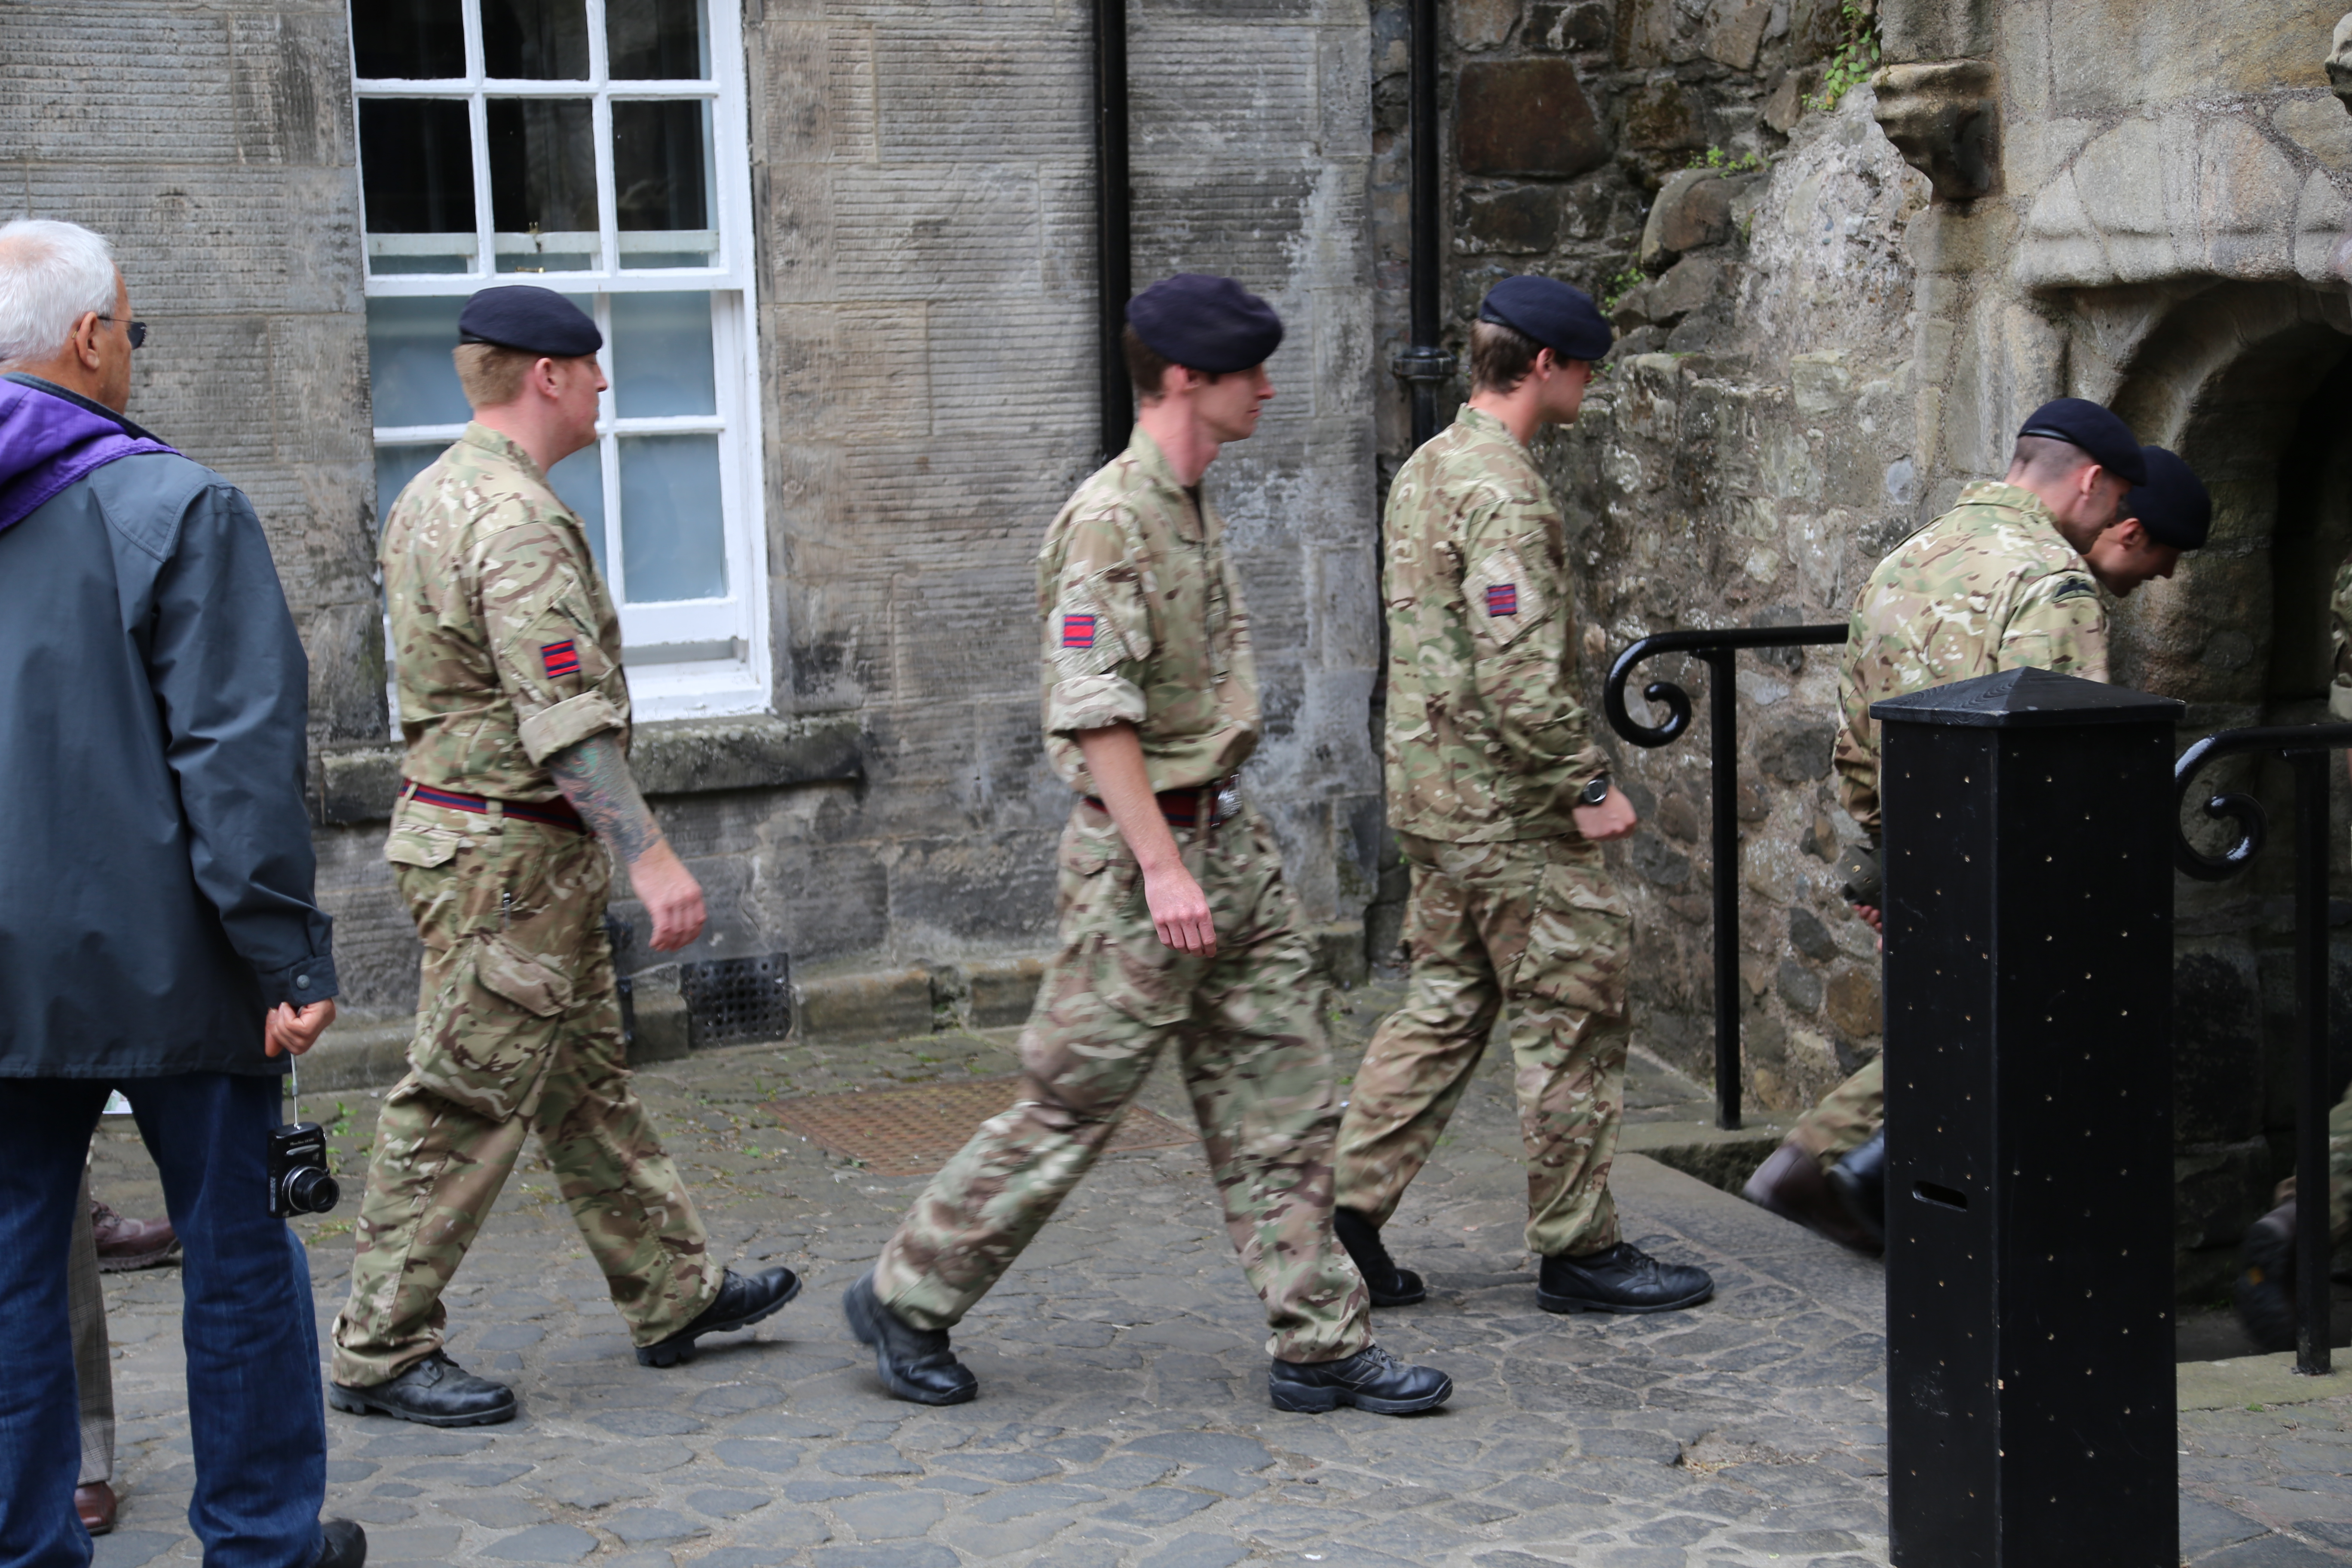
[914, 1363]
[344, 1544]
[1620, 1279]
[2264, 1292]
[1791, 1184]
[1389, 1285]
[1371, 1380]
[744, 1300]
[1860, 1183]
[434, 1392]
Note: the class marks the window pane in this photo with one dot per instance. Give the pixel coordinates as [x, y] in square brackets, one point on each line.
[543, 183]
[661, 355]
[541, 40]
[417, 174]
[672, 537]
[394, 467]
[578, 482]
[415, 381]
[656, 40]
[661, 180]
[412, 39]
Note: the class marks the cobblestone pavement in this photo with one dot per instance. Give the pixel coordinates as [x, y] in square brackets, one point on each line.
[1122, 1421]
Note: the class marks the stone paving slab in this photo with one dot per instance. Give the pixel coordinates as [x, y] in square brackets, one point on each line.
[1122, 1421]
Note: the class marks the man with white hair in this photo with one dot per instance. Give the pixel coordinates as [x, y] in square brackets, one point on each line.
[158, 930]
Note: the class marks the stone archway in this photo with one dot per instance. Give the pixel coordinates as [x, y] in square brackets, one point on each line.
[2251, 383]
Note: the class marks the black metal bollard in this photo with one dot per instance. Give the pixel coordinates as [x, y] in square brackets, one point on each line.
[2029, 1036]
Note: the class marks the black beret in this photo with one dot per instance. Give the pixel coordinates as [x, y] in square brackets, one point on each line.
[536, 320]
[1561, 318]
[2171, 504]
[2081, 422]
[1204, 323]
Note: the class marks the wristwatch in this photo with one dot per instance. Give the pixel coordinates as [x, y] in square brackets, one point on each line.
[1594, 793]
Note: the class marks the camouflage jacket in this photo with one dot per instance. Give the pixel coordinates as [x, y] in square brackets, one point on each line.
[1486, 741]
[1989, 585]
[507, 648]
[1144, 625]
[2339, 637]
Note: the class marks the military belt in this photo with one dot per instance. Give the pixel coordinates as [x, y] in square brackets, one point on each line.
[1220, 802]
[557, 811]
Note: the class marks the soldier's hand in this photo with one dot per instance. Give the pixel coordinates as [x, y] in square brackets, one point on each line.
[1180, 910]
[286, 1032]
[1613, 818]
[670, 895]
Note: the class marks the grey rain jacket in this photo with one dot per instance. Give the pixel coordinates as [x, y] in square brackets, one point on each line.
[155, 863]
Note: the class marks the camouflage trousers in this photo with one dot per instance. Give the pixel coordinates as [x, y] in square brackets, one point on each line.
[520, 1031]
[1536, 923]
[1246, 1026]
[1845, 1119]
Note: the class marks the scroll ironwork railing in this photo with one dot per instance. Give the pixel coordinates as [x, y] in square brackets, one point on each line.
[1719, 649]
[2307, 749]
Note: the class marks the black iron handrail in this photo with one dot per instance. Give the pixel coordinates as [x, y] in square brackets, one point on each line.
[1718, 649]
[2306, 749]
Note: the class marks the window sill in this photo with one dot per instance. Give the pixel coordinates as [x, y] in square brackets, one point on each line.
[352, 785]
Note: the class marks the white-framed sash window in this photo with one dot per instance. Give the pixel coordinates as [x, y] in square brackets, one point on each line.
[597, 148]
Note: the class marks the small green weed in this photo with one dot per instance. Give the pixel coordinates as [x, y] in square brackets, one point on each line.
[1623, 284]
[1853, 60]
[1717, 159]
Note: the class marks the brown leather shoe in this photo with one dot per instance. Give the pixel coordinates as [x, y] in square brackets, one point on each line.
[126, 1244]
[95, 1503]
[1791, 1184]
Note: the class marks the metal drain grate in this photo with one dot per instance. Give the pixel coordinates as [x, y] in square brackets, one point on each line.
[912, 1131]
[738, 998]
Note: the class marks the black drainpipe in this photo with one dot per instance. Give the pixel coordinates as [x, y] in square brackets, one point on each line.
[1113, 281]
[1425, 366]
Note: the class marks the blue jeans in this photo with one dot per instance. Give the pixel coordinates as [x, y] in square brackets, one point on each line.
[254, 1406]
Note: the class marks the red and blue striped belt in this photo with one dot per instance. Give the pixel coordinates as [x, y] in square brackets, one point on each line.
[557, 811]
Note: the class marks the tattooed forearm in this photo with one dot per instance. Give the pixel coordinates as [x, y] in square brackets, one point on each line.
[595, 777]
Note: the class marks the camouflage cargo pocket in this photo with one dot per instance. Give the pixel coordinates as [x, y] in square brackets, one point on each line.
[491, 1030]
[422, 845]
[1580, 941]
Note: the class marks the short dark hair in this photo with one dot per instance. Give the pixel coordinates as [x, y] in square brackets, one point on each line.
[1146, 365]
[1500, 356]
[2046, 457]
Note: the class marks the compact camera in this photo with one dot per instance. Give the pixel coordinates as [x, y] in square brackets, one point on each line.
[299, 1182]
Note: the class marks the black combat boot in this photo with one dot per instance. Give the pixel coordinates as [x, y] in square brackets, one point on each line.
[2264, 1292]
[743, 1301]
[1791, 1184]
[1389, 1285]
[434, 1392]
[1620, 1279]
[1371, 1380]
[341, 1545]
[1860, 1182]
[914, 1363]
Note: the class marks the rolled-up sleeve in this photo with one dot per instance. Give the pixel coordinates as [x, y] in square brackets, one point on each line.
[231, 685]
[1097, 633]
[541, 616]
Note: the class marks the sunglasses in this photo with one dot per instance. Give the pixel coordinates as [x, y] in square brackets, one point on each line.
[136, 330]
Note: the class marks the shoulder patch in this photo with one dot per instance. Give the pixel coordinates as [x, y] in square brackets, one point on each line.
[1501, 599]
[561, 660]
[2076, 588]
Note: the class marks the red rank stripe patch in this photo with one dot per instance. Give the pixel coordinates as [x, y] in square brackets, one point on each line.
[1077, 631]
[562, 658]
[1503, 599]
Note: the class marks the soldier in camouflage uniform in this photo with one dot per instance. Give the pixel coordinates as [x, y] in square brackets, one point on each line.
[1499, 799]
[2011, 578]
[2265, 1284]
[1176, 929]
[515, 715]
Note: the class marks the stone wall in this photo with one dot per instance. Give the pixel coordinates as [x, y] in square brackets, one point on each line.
[923, 190]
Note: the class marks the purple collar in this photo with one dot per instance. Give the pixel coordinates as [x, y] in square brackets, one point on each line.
[50, 439]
